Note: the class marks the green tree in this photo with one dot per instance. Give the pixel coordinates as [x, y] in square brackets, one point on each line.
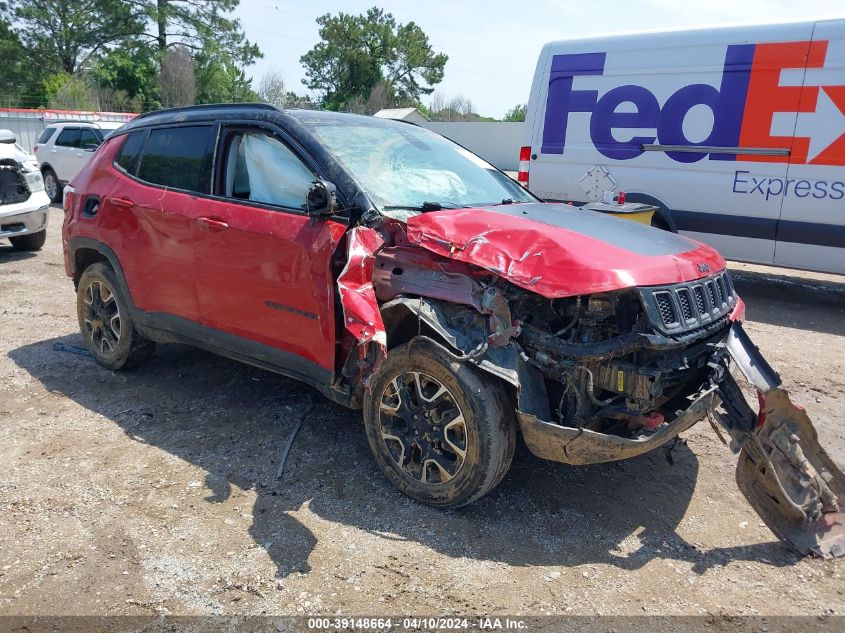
[63, 35]
[516, 114]
[358, 52]
[131, 69]
[220, 79]
[20, 80]
[198, 25]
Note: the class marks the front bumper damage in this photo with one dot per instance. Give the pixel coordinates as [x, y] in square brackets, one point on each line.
[782, 470]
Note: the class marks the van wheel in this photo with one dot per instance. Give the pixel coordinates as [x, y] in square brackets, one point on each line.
[52, 186]
[442, 431]
[31, 242]
[105, 321]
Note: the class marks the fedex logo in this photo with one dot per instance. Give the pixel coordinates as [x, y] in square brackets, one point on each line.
[745, 104]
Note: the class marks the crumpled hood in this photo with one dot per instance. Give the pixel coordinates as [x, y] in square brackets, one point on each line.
[557, 250]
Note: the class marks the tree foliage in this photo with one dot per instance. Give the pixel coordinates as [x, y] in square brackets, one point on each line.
[62, 35]
[20, 84]
[124, 52]
[517, 113]
[358, 52]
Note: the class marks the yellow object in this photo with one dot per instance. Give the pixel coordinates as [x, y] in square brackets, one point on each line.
[643, 217]
[620, 380]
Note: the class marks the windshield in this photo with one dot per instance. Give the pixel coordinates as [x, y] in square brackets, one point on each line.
[401, 165]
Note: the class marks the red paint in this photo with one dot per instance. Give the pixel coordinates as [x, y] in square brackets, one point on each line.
[738, 313]
[551, 261]
[651, 420]
[761, 416]
[361, 314]
[265, 276]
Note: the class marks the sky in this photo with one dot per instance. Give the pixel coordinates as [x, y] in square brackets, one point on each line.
[493, 45]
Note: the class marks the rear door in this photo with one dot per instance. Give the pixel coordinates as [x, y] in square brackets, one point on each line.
[263, 266]
[89, 141]
[158, 198]
[811, 233]
[63, 155]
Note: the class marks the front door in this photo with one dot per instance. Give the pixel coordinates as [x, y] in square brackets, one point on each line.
[263, 266]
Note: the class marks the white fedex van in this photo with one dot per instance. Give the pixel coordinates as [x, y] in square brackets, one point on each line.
[736, 134]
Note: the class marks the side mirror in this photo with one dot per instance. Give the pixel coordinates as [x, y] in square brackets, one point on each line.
[321, 199]
[7, 136]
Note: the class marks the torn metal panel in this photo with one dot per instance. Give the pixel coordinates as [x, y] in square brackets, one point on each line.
[361, 314]
[560, 251]
[412, 271]
[783, 471]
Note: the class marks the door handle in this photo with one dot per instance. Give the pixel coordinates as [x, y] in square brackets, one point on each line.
[123, 203]
[210, 224]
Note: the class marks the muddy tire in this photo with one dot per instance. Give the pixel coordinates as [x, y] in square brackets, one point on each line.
[443, 432]
[52, 185]
[31, 242]
[105, 321]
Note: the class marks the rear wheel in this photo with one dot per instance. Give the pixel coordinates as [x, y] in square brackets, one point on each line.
[442, 431]
[31, 242]
[52, 185]
[105, 321]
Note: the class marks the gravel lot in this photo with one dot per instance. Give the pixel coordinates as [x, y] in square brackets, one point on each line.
[154, 490]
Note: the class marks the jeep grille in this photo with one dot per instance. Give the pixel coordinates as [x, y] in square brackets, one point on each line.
[682, 308]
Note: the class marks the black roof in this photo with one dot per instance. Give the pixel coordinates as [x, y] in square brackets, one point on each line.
[223, 111]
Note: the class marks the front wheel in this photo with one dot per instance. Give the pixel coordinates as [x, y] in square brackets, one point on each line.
[31, 242]
[443, 432]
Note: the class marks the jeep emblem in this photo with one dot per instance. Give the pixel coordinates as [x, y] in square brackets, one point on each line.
[704, 268]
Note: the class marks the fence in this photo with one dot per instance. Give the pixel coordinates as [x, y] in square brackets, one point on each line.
[27, 125]
[496, 142]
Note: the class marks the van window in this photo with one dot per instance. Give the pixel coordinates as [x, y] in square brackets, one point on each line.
[69, 137]
[262, 169]
[178, 157]
[87, 138]
[127, 157]
[45, 135]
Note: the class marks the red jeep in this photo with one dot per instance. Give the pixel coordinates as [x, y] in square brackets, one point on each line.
[397, 272]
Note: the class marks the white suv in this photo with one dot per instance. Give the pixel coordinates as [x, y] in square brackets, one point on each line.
[63, 149]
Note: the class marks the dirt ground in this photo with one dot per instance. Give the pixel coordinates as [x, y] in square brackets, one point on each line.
[154, 490]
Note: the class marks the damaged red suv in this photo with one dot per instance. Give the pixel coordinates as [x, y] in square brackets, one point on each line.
[398, 273]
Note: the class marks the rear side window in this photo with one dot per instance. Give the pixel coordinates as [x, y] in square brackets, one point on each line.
[69, 137]
[178, 157]
[127, 157]
[45, 135]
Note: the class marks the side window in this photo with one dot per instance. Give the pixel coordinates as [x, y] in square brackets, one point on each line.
[69, 137]
[87, 138]
[178, 157]
[262, 169]
[127, 156]
[45, 135]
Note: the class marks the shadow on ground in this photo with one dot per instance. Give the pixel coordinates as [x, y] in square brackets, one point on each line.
[793, 301]
[233, 421]
[11, 254]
